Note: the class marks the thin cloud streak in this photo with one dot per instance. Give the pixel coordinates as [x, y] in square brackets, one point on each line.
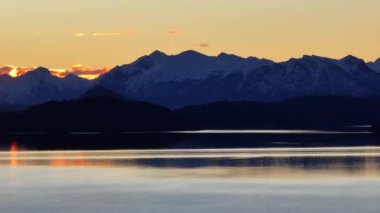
[202, 45]
[102, 34]
[174, 32]
[112, 34]
[79, 34]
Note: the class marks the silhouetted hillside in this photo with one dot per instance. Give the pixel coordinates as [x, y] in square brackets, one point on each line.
[12, 108]
[306, 112]
[115, 115]
[99, 91]
[102, 114]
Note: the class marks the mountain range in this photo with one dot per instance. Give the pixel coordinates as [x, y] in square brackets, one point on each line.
[40, 86]
[191, 78]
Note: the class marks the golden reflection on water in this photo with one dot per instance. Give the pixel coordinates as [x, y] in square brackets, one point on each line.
[13, 154]
[211, 163]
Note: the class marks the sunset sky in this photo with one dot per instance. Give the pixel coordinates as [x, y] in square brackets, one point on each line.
[105, 33]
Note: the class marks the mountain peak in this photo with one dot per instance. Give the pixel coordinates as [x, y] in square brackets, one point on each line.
[316, 58]
[311, 56]
[191, 53]
[157, 53]
[101, 92]
[228, 57]
[350, 59]
[40, 71]
[158, 56]
[73, 77]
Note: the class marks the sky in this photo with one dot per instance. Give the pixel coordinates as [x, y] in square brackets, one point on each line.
[98, 34]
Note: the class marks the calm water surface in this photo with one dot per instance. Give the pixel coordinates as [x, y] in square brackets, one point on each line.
[210, 180]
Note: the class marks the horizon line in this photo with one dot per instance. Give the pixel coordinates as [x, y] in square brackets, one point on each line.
[63, 72]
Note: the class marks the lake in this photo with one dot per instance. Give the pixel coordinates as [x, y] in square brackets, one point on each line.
[308, 179]
[205, 139]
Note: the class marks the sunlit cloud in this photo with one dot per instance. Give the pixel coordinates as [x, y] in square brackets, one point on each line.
[174, 32]
[5, 70]
[79, 34]
[79, 70]
[112, 34]
[15, 71]
[102, 34]
[202, 45]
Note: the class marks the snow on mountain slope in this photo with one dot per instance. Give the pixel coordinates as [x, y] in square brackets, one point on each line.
[375, 65]
[158, 75]
[191, 78]
[189, 65]
[157, 67]
[312, 75]
[40, 86]
[233, 63]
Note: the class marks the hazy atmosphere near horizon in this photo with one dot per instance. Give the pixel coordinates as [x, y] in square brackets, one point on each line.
[103, 33]
[177, 106]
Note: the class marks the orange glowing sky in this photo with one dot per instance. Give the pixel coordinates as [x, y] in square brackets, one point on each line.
[79, 69]
[105, 33]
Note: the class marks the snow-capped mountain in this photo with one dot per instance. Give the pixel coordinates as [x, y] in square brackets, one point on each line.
[311, 75]
[39, 86]
[187, 78]
[189, 65]
[191, 78]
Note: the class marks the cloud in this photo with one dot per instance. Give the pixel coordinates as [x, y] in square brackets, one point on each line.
[79, 70]
[79, 34]
[202, 45]
[15, 71]
[102, 34]
[5, 70]
[174, 32]
[112, 34]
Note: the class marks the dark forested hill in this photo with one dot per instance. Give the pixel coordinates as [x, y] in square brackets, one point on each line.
[102, 114]
[114, 115]
[306, 112]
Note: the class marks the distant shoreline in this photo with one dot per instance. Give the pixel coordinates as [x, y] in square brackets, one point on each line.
[189, 140]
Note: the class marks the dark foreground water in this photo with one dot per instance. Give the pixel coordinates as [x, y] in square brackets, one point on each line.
[331, 179]
[348, 136]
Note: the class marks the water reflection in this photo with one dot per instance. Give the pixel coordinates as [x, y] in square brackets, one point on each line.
[263, 180]
[13, 154]
[212, 163]
[279, 131]
[206, 139]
